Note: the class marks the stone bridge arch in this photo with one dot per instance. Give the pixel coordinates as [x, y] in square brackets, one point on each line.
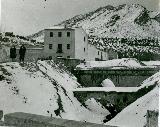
[120, 77]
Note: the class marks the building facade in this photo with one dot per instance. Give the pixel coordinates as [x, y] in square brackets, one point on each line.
[65, 42]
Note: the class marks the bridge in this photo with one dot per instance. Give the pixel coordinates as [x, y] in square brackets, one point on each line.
[120, 77]
[120, 97]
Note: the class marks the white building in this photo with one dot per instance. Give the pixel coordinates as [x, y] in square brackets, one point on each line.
[65, 42]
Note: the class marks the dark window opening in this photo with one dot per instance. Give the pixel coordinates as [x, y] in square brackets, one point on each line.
[68, 46]
[84, 49]
[50, 46]
[68, 56]
[97, 59]
[84, 39]
[68, 34]
[59, 49]
[101, 56]
[98, 52]
[59, 34]
[51, 34]
[59, 56]
[50, 57]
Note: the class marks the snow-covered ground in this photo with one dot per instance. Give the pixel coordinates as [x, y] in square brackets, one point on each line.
[134, 115]
[113, 64]
[43, 89]
[46, 89]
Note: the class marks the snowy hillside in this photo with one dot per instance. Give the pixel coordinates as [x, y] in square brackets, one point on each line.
[39, 37]
[121, 21]
[44, 89]
[134, 115]
[8, 39]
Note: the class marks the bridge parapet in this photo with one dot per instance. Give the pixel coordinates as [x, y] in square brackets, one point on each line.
[120, 77]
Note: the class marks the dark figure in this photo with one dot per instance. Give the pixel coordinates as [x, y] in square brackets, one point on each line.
[22, 52]
[13, 53]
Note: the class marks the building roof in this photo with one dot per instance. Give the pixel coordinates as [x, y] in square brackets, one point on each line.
[61, 27]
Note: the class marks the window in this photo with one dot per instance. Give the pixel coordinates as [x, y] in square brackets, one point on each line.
[98, 52]
[84, 49]
[59, 56]
[59, 49]
[50, 57]
[50, 46]
[59, 34]
[101, 56]
[51, 34]
[68, 56]
[68, 46]
[68, 34]
[84, 39]
[97, 59]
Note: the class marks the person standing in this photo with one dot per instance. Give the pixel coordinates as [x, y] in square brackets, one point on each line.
[13, 53]
[22, 52]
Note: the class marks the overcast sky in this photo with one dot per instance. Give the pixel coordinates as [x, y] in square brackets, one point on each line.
[25, 17]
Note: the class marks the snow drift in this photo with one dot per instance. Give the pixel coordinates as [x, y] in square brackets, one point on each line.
[107, 83]
[134, 115]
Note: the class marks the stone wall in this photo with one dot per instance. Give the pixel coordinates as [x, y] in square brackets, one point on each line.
[120, 77]
[152, 118]
[31, 120]
[32, 54]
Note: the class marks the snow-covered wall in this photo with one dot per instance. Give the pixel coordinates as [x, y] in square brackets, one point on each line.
[32, 120]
